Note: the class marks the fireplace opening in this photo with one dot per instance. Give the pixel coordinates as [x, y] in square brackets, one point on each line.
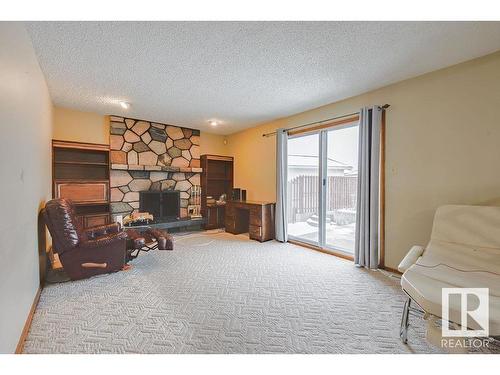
[163, 205]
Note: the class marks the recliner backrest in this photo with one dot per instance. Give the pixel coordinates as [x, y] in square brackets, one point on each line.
[62, 223]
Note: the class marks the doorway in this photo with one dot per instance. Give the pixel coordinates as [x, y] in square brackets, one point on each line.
[322, 187]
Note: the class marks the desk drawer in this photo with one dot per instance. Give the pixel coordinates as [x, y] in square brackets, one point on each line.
[255, 232]
[256, 210]
[255, 219]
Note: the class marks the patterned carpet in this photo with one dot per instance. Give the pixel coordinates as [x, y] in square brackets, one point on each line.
[220, 293]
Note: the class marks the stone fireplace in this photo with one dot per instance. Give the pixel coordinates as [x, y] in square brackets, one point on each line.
[148, 156]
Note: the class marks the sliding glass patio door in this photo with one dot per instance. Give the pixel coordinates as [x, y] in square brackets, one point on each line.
[341, 187]
[322, 185]
[303, 187]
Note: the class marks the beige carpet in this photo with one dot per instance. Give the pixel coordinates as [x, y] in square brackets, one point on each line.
[219, 293]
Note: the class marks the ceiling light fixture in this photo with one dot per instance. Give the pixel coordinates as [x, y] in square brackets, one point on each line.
[125, 105]
[213, 122]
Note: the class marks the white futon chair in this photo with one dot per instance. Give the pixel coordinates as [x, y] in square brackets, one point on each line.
[464, 252]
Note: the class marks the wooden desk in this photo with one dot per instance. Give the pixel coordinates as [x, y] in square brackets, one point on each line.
[256, 218]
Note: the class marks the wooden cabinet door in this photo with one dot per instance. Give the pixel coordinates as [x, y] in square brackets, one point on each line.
[95, 220]
[230, 225]
[212, 218]
[215, 217]
[83, 192]
[221, 217]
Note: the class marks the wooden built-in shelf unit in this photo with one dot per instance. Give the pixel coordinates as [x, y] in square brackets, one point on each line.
[80, 172]
[216, 179]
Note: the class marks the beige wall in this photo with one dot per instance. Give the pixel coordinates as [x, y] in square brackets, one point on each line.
[78, 126]
[25, 172]
[443, 136]
[213, 144]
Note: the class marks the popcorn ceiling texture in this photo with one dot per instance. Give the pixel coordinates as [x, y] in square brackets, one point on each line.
[151, 156]
[243, 73]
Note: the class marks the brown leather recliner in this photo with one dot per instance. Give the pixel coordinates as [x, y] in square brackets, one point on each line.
[84, 253]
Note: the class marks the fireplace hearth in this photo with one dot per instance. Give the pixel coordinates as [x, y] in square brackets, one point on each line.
[163, 205]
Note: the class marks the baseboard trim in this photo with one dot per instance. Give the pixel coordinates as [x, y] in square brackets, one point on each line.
[27, 324]
[339, 255]
[393, 270]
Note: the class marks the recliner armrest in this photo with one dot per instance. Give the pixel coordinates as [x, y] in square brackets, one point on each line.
[101, 230]
[104, 241]
[411, 257]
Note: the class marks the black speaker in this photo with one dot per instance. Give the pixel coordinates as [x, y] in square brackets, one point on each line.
[243, 195]
[236, 194]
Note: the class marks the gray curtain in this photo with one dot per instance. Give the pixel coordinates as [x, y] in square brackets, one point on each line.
[281, 185]
[366, 246]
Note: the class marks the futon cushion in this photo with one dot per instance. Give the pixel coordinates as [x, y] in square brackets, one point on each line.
[464, 252]
[424, 285]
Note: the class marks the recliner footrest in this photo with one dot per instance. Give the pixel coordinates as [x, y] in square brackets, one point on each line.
[163, 239]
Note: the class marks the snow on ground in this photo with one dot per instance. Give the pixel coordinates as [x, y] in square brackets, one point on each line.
[337, 236]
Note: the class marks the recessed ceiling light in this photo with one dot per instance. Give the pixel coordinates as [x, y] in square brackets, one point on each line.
[213, 122]
[124, 105]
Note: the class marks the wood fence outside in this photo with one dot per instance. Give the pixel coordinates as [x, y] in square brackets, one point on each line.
[303, 195]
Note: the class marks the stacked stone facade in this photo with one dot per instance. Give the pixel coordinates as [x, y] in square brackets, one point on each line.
[151, 156]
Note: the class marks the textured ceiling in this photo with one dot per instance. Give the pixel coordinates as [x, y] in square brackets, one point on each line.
[241, 73]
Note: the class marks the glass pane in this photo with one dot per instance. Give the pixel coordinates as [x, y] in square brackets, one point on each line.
[341, 185]
[303, 177]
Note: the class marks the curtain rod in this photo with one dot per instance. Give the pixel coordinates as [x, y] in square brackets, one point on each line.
[385, 106]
